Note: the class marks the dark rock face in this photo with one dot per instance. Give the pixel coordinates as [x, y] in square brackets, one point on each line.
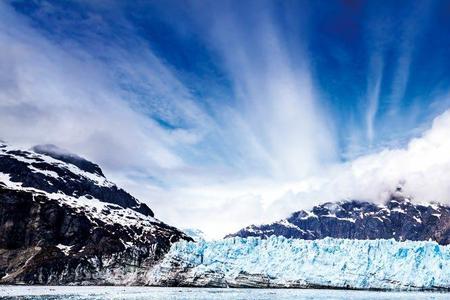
[399, 219]
[60, 225]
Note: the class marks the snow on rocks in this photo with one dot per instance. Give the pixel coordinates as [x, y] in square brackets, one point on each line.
[64, 222]
[398, 218]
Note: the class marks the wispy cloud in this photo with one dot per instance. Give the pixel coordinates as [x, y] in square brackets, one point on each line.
[391, 39]
[410, 31]
[66, 95]
[274, 92]
[373, 94]
[99, 99]
[421, 167]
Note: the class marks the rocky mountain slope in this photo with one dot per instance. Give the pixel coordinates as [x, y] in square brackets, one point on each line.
[62, 221]
[398, 219]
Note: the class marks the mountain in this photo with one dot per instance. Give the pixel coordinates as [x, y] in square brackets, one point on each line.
[62, 221]
[348, 244]
[398, 219]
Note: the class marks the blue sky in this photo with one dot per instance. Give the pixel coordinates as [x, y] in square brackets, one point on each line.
[376, 67]
[178, 98]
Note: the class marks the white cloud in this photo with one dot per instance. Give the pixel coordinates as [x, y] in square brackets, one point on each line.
[63, 95]
[283, 120]
[422, 167]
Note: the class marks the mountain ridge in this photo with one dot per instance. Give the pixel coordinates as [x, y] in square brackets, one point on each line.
[399, 218]
[61, 224]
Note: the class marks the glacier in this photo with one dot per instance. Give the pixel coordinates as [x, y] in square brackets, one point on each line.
[327, 263]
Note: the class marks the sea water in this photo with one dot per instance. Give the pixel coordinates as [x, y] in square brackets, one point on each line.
[141, 293]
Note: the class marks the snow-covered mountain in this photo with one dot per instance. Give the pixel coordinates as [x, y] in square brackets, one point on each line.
[399, 218]
[62, 221]
[327, 263]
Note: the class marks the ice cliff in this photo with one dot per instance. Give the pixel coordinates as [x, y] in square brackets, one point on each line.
[282, 262]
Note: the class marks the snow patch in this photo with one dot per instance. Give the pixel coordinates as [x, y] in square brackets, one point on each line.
[44, 172]
[65, 249]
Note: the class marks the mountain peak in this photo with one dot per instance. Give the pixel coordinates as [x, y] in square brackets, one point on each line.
[52, 170]
[68, 157]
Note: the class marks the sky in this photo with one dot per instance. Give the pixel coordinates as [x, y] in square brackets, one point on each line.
[221, 114]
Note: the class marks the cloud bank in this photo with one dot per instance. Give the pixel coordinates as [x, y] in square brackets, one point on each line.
[421, 168]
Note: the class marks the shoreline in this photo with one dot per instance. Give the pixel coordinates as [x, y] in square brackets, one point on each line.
[331, 288]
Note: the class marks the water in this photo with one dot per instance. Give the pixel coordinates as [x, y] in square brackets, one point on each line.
[141, 293]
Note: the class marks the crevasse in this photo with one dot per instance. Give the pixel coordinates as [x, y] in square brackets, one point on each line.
[282, 262]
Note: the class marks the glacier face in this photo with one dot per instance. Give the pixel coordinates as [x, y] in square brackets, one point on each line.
[282, 262]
